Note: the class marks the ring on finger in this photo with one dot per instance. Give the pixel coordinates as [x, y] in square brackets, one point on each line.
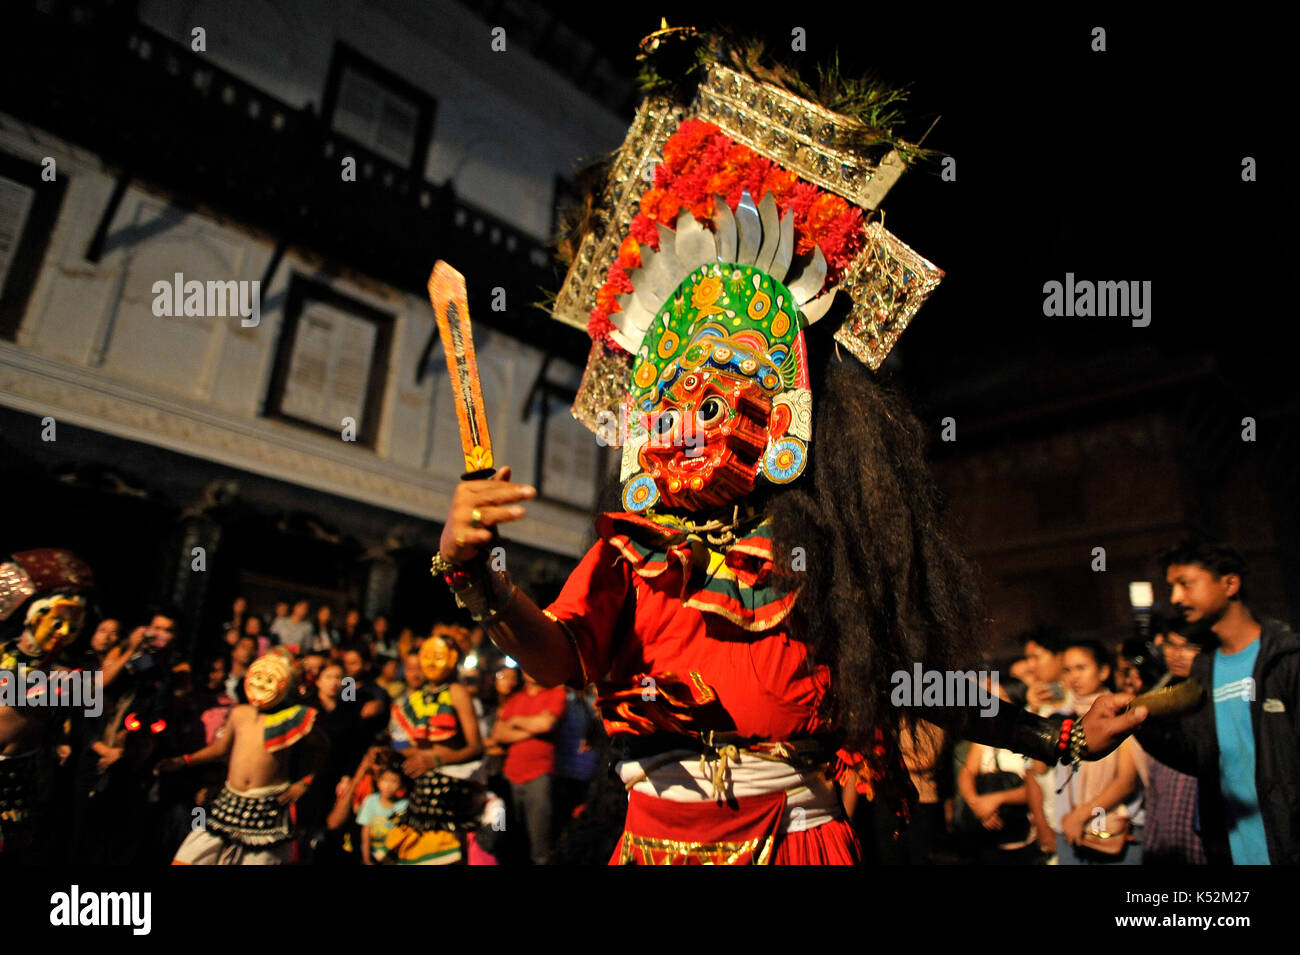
[460, 541]
[476, 518]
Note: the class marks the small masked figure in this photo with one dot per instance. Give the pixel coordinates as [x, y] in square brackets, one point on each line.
[250, 823]
[269, 680]
[50, 583]
[442, 801]
[438, 657]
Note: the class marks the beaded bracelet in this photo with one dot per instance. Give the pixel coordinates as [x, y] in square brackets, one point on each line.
[1078, 742]
[1063, 743]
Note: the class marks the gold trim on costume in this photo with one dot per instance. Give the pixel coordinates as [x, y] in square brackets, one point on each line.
[573, 642]
[888, 282]
[655, 122]
[799, 135]
[706, 853]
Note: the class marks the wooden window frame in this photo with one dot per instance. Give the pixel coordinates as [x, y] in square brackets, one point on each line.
[29, 253]
[302, 288]
[346, 57]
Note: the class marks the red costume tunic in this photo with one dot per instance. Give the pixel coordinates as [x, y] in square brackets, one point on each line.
[634, 617]
[682, 639]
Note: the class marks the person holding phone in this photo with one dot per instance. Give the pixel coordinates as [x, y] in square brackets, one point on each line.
[1046, 694]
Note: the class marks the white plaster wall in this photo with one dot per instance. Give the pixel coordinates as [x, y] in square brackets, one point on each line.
[91, 350]
[505, 124]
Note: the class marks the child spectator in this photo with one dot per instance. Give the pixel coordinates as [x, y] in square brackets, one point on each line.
[1002, 813]
[378, 813]
[1170, 836]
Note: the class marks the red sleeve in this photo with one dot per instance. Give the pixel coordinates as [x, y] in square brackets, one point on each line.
[556, 700]
[590, 604]
[508, 707]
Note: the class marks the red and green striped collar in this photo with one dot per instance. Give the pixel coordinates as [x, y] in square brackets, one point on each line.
[732, 581]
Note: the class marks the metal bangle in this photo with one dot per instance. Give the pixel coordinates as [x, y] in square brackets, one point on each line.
[440, 565]
[484, 595]
[1078, 742]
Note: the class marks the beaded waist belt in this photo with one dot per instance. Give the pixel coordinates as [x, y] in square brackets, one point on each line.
[438, 801]
[252, 820]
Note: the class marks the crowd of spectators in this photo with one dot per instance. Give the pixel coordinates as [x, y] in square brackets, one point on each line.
[352, 671]
[1215, 785]
[1178, 792]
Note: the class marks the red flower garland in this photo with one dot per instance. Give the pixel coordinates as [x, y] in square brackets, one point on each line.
[699, 162]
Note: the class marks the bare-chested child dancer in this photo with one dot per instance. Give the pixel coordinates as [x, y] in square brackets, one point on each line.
[249, 824]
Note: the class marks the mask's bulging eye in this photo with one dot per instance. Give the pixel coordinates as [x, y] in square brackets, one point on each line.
[712, 411]
[666, 422]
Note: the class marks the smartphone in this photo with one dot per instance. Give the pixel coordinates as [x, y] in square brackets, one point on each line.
[1058, 692]
[139, 663]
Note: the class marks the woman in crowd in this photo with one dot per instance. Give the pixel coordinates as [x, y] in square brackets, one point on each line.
[340, 720]
[1094, 808]
[253, 628]
[1008, 838]
[323, 634]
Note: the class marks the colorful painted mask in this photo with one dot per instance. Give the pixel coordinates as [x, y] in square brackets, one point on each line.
[719, 394]
[438, 656]
[268, 680]
[52, 623]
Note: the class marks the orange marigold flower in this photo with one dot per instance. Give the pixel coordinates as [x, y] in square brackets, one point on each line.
[823, 212]
[643, 230]
[675, 154]
[684, 146]
[629, 254]
[779, 182]
[738, 157]
[723, 181]
[599, 326]
[659, 205]
[605, 301]
[650, 202]
[667, 209]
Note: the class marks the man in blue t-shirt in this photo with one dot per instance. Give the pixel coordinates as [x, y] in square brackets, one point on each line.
[1234, 691]
[1242, 744]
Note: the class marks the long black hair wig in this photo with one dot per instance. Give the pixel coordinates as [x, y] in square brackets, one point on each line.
[883, 584]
